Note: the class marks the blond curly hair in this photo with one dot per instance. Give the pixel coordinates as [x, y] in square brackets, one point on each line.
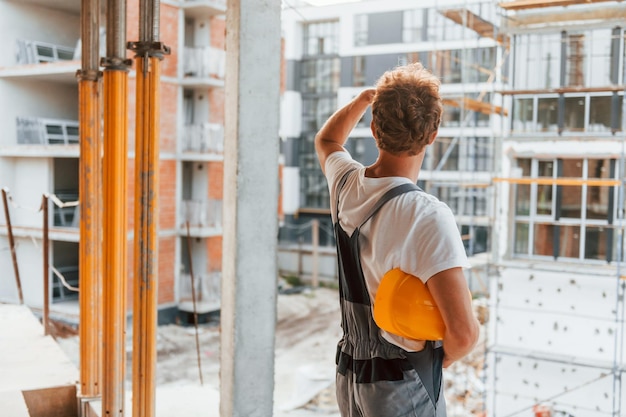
[406, 109]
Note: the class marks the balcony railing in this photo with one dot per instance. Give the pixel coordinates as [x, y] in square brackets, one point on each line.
[207, 288]
[204, 138]
[199, 213]
[35, 52]
[35, 131]
[204, 62]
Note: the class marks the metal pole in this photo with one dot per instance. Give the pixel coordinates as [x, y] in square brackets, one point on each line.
[114, 210]
[149, 53]
[315, 237]
[7, 216]
[46, 267]
[193, 298]
[90, 183]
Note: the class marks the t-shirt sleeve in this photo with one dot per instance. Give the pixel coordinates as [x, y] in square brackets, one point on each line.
[437, 245]
[337, 164]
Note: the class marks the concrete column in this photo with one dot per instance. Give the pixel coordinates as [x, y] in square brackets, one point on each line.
[248, 310]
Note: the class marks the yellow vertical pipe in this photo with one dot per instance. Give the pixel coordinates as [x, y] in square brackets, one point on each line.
[114, 240]
[90, 267]
[145, 245]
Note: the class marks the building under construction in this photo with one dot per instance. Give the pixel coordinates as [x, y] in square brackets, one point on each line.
[530, 157]
[121, 106]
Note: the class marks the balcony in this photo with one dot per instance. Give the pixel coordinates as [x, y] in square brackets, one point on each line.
[204, 8]
[204, 217]
[43, 61]
[207, 289]
[204, 67]
[204, 138]
[38, 137]
[35, 52]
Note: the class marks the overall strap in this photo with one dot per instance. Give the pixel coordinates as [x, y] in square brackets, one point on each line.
[340, 185]
[394, 192]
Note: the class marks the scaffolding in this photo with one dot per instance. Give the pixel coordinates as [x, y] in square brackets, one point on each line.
[557, 331]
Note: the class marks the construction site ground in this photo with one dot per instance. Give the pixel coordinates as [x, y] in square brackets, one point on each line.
[308, 328]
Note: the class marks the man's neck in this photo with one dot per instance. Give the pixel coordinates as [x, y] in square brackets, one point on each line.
[388, 165]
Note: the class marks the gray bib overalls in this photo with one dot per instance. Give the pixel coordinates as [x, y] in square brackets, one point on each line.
[374, 377]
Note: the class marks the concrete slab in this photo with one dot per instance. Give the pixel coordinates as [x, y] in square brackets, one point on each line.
[33, 366]
[13, 404]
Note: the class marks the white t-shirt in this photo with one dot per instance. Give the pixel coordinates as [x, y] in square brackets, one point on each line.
[414, 231]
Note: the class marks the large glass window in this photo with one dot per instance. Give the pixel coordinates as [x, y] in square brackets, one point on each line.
[321, 38]
[315, 112]
[319, 82]
[320, 75]
[566, 211]
[595, 113]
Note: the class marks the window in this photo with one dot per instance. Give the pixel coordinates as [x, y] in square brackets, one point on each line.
[360, 29]
[315, 112]
[320, 75]
[537, 58]
[523, 115]
[321, 38]
[575, 109]
[600, 114]
[560, 214]
[600, 57]
[358, 71]
[472, 154]
[575, 62]
[412, 25]
[547, 114]
[595, 113]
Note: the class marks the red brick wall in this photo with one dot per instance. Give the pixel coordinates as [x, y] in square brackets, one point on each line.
[169, 109]
[218, 32]
[216, 106]
[214, 253]
[216, 180]
[169, 36]
[167, 195]
[167, 263]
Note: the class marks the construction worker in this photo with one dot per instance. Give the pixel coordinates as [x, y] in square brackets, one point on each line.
[380, 374]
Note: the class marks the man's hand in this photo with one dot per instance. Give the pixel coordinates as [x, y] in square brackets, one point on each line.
[334, 134]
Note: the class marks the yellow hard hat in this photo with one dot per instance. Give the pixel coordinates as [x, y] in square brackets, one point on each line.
[403, 306]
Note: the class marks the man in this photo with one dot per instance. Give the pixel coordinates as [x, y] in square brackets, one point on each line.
[380, 374]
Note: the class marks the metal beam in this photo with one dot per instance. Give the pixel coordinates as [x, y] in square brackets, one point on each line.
[149, 52]
[90, 188]
[114, 241]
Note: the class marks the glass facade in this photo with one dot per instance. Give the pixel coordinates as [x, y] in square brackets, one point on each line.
[567, 208]
[319, 82]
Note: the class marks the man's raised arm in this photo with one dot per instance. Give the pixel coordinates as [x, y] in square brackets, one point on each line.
[334, 134]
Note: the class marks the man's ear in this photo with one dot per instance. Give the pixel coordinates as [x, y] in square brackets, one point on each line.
[433, 137]
[372, 129]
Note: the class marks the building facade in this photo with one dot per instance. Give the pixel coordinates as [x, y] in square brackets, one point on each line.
[39, 150]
